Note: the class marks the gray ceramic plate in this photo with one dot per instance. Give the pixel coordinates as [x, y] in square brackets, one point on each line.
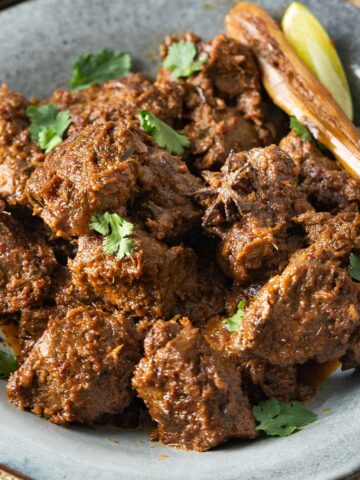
[39, 40]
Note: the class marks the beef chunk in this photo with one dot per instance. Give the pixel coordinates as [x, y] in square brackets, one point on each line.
[18, 154]
[263, 380]
[92, 172]
[79, 369]
[309, 311]
[62, 297]
[250, 203]
[63, 292]
[260, 379]
[156, 281]
[193, 394]
[26, 263]
[121, 99]
[103, 168]
[313, 224]
[223, 110]
[325, 183]
[166, 202]
[33, 322]
[216, 130]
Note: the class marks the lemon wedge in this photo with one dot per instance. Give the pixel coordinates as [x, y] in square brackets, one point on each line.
[313, 45]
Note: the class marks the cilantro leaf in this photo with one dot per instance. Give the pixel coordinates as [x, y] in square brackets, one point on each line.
[48, 125]
[233, 323]
[8, 364]
[300, 129]
[281, 419]
[181, 59]
[106, 65]
[354, 268]
[116, 231]
[163, 134]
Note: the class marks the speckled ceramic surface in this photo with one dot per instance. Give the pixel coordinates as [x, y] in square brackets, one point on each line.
[38, 41]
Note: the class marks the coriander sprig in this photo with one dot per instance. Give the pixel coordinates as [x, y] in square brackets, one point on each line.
[163, 134]
[354, 268]
[106, 65]
[181, 59]
[48, 125]
[300, 130]
[8, 364]
[116, 232]
[233, 323]
[280, 419]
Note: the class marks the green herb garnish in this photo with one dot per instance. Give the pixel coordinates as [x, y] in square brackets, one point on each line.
[116, 231]
[354, 268]
[163, 134]
[106, 65]
[181, 59]
[300, 129]
[233, 323]
[281, 419]
[48, 125]
[8, 364]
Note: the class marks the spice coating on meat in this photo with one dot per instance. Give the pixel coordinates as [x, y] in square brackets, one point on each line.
[192, 393]
[310, 310]
[326, 185]
[32, 324]
[250, 203]
[263, 380]
[18, 153]
[260, 379]
[91, 172]
[121, 99]
[155, 281]
[102, 168]
[166, 203]
[79, 369]
[26, 263]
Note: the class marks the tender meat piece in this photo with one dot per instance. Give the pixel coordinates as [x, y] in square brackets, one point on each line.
[263, 380]
[92, 172]
[79, 369]
[121, 99]
[64, 293]
[313, 224]
[224, 110]
[250, 203]
[325, 183]
[102, 168]
[26, 263]
[166, 202]
[33, 322]
[216, 130]
[156, 281]
[18, 153]
[62, 297]
[248, 250]
[260, 379]
[311, 310]
[193, 394]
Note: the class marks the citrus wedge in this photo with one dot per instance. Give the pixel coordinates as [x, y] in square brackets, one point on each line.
[313, 45]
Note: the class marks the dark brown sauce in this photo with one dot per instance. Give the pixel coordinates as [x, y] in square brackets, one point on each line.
[314, 374]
